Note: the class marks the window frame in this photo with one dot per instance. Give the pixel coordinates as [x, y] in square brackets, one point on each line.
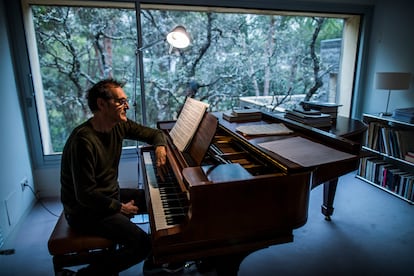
[361, 15]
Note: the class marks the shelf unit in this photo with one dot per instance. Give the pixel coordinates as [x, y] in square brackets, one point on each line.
[387, 143]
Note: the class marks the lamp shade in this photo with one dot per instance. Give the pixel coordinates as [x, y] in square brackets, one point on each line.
[178, 37]
[392, 80]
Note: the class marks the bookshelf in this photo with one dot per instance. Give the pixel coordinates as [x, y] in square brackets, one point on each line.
[389, 144]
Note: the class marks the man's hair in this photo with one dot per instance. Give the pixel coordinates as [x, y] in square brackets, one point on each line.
[101, 89]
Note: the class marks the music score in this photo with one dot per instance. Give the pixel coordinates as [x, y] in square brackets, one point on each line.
[187, 123]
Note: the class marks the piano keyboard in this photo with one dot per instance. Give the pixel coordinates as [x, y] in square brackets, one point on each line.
[169, 203]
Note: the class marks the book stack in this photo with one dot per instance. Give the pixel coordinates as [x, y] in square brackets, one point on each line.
[310, 117]
[326, 108]
[404, 114]
[242, 115]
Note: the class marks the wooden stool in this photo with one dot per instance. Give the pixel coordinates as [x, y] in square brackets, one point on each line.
[70, 248]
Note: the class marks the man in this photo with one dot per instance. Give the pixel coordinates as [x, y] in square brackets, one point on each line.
[92, 199]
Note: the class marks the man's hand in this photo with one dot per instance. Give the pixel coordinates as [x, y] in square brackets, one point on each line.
[129, 208]
[160, 155]
[161, 160]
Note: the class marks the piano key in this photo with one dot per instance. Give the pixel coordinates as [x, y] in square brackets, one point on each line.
[166, 199]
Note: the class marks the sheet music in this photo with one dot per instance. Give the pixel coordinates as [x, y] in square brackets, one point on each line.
[305, 152]
[187, 122]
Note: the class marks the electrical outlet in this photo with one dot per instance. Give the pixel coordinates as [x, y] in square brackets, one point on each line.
[24, 183]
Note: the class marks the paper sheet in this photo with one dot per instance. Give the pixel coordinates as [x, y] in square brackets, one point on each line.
[187, 123]
[305, 152]
[264, 129]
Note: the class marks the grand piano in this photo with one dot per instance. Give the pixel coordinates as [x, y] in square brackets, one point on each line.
[226, 196]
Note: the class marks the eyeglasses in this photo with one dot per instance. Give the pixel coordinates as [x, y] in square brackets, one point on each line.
[121, 101]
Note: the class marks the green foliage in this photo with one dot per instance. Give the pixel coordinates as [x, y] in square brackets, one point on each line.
[77, 47]
[231, 55]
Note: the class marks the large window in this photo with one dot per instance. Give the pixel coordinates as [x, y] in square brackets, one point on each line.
[269, 60]
[272, 60]
[76, 47]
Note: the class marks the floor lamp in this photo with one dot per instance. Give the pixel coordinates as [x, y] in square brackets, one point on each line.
[177, 38]
[392, 81]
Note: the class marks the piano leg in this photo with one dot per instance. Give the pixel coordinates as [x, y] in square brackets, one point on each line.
[329, 189]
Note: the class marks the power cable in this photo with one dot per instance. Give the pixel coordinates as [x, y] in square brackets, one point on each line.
[39, 200]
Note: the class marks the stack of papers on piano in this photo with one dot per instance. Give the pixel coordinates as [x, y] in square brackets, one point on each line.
[310, 117]
[243, 115]
[404, 114]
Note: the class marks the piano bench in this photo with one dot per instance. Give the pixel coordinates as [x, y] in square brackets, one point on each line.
[70, 248]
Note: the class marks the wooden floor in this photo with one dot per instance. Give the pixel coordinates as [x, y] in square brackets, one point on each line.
[371, 233]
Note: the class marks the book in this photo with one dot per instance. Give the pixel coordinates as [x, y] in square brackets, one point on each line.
[377, 169]
[322, 106]
[242, 115]
[363, 166]
[308, 115]
[405, 142]
[385, 142]
[307, 111]
[408, 157]
[382, 173]
[409, 194]
[402, 183]
[187, 123]
[404, 114]
[246, 112]
[405, 111]
[392, 179]
[328, 108]
[321, 120]
[410, 153]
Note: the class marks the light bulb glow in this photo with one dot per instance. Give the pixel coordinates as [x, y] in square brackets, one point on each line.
[178, 37]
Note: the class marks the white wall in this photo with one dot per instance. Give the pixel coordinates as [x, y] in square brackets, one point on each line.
[14, 152]
[48, 179]
[391, 49]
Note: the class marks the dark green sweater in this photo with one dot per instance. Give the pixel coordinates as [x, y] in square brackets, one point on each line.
[89, 168]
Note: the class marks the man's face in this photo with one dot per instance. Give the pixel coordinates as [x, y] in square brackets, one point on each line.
[117, 106]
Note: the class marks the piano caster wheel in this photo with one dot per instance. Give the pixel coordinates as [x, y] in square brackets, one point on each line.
[328, 218]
